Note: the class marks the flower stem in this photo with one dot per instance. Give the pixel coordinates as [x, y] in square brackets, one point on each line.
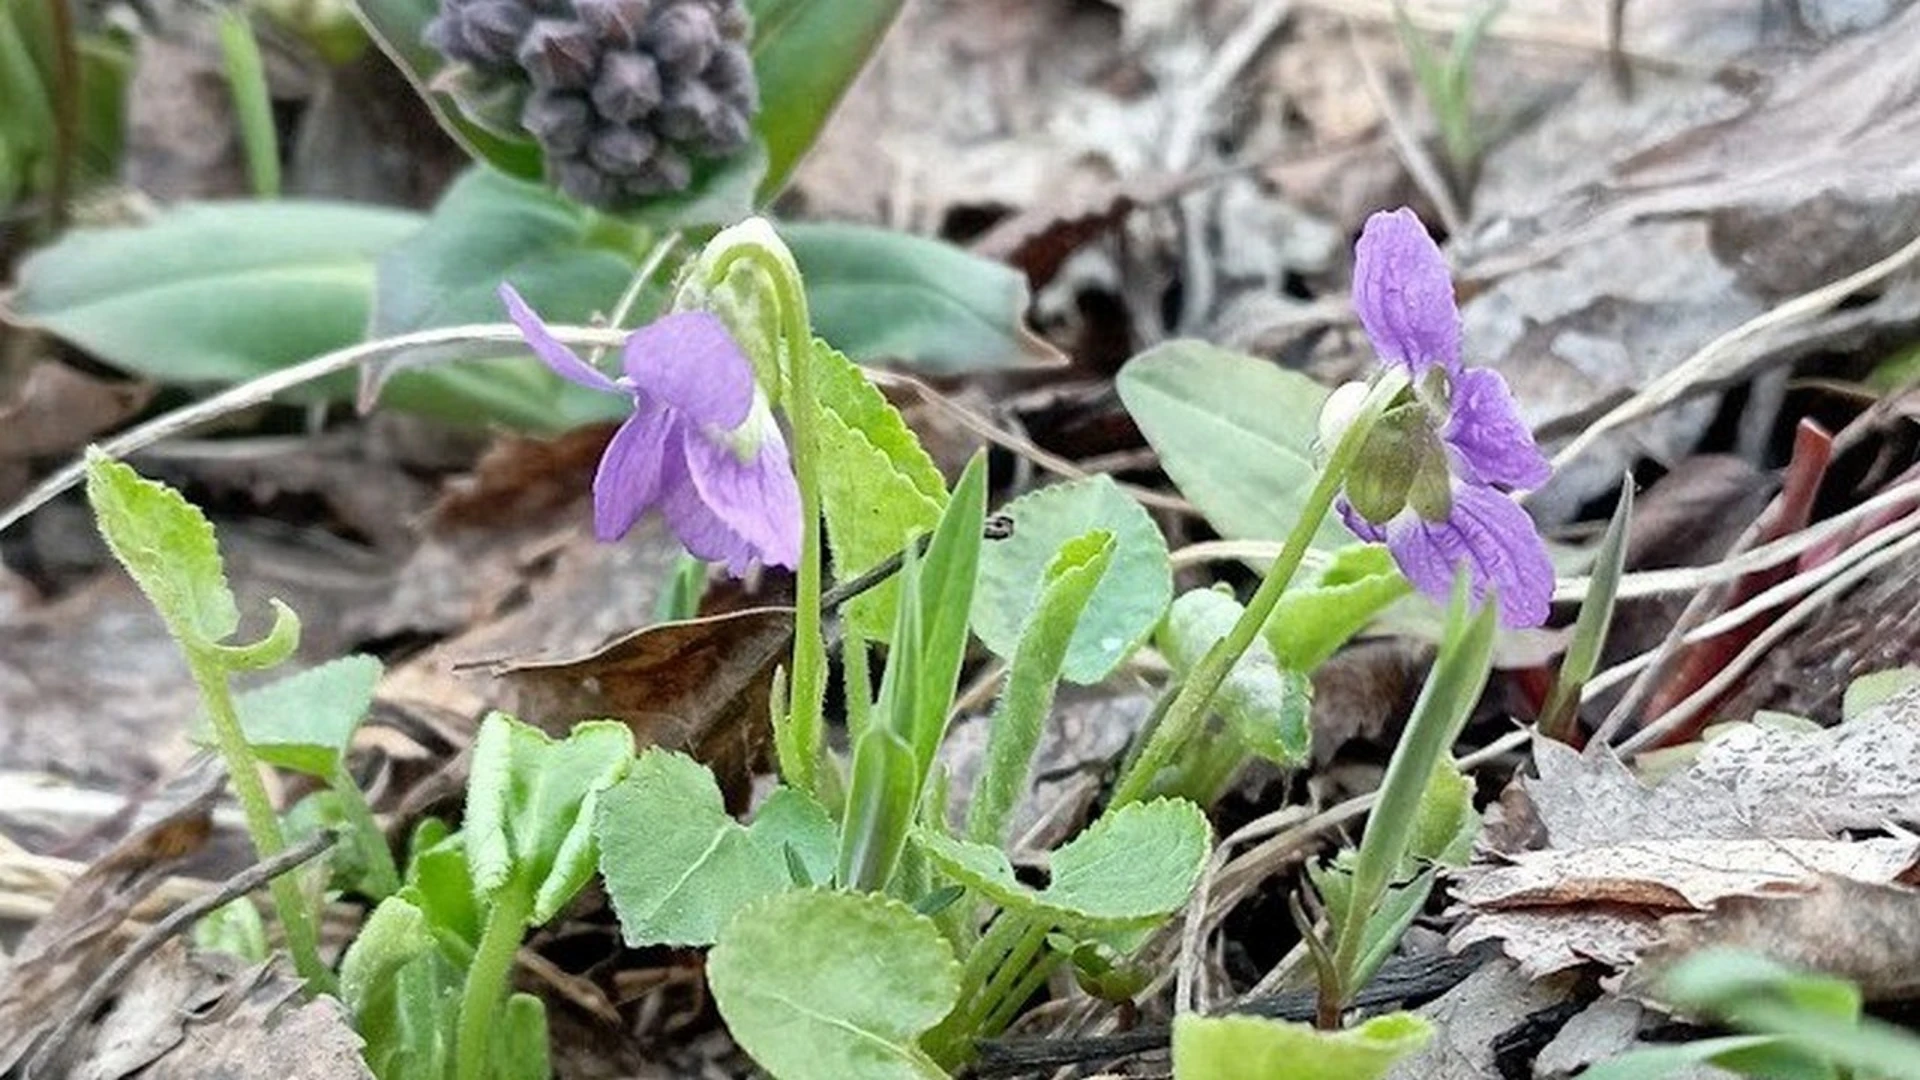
[1003, 993]
[487, 978]
[296, 921]
[1189, 707]
[798, 740]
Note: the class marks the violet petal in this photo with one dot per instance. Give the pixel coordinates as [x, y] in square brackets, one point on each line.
[702, 532]
[1494, 538]
[1359, 526]
[758, 500]
[564, 362]
[692, 363]
[634, 470]
[1403, 294]
[1493, 443]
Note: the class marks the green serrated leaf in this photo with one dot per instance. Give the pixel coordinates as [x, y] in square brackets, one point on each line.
[1269, 710]
[1235, 433]
[1130, 868]
[1256, 1048]
[677, 866]
[878, 488]
[819, 985]
[1311, 622]
[168, 546]
[305, 721]
[1127, 603]
[530, 806]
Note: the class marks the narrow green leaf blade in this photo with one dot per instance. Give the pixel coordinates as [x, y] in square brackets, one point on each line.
[1013, 733]
[821, 985]
[216, 292]
[949, 578]
[1596, 616]
[881, 796]
[805, 55]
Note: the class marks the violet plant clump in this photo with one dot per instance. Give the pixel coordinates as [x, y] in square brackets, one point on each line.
[701, 444]
[1435, 477]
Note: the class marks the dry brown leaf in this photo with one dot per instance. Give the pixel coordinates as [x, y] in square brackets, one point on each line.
[1545, 940]
[188, 1015]
[54, 410]
[1865, 932]
[699, 686]
[59, 957]
[1751, 781]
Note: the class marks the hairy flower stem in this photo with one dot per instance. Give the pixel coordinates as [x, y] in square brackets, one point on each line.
[797, 737]
[263, 825]
[487, 978]
[1189, 708]
[1026, 967]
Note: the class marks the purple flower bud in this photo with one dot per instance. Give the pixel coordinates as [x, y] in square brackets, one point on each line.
[734, 20]
[683, 39]
[581, 180]
[628, 87]
[726, 131]
[622, 151]
[560, 120]
[618, 22]
[688, 112]
[730, 73]
[491, 30]
[669, 171]
[560, 55]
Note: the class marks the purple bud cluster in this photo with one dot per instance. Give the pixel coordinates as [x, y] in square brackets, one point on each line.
[624, 96]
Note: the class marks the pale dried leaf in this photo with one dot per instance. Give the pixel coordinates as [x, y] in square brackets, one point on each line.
[1863, 932]
[1678, 875]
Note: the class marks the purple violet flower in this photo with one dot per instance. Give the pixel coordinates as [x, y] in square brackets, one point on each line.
[701, 444]
[1443, 465]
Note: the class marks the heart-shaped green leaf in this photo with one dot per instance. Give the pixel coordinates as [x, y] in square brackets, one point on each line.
[530, 806]
[677, 866]
[1256, 1048]
[1127, 603]
[304, 722]
[1312, 621]
[1131, 868]
[820, 985]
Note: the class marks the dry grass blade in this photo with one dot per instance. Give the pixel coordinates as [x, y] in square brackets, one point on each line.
[1727, 357]
[265, 388]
